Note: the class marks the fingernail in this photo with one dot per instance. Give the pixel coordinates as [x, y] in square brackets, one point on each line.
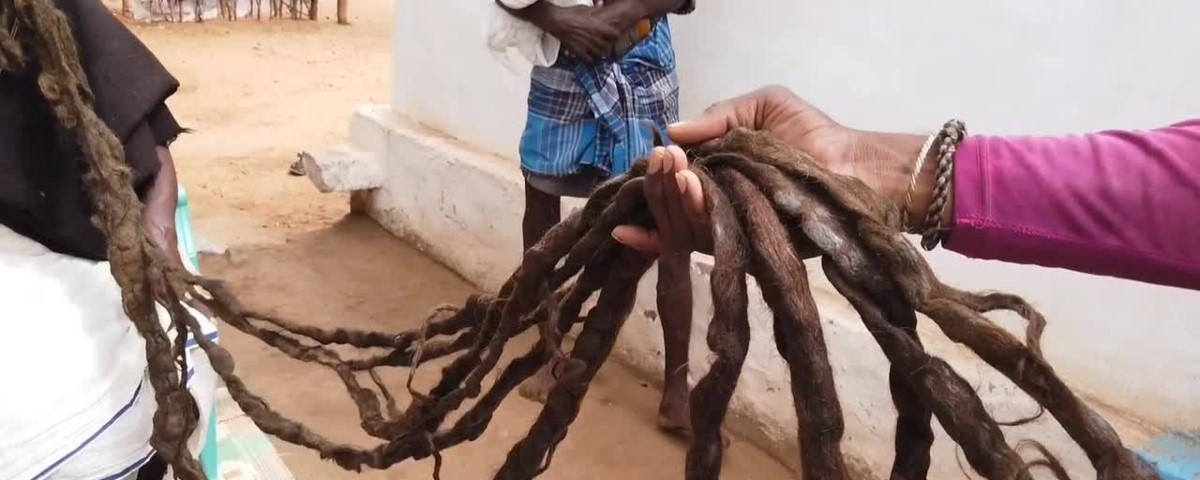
[679, 160]
[655, 161]
[681, 181]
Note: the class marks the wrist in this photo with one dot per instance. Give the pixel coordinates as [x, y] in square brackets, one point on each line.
[160, 234]
[911, 193]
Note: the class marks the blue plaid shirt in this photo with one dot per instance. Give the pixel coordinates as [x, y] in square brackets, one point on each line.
[594, 114]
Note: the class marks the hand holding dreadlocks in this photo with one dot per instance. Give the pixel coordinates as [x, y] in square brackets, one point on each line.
[676, 200]
[1042, 171]
[882, 161]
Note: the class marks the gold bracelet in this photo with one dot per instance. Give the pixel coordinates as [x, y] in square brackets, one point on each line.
[912, 183]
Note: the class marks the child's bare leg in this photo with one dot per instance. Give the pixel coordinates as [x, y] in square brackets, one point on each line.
[675, 313]
[542, 212]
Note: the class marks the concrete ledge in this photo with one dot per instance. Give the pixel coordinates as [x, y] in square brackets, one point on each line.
[463, 206]
[343, 169]
[458, 204]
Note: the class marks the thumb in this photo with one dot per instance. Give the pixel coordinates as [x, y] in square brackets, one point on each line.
[715, 122]
[637, 238]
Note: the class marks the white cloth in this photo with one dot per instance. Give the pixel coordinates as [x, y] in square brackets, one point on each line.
[508, 32]
[76, 402]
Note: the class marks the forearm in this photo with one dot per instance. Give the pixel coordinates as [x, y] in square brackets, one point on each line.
[1115, 203]
[624, 14]
[160, 201]
[537, 13]
[657, 8]
[1118, 203]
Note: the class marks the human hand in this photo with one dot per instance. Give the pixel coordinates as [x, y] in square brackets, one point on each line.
[583, 32]
[877, 159]
[676, 201]
[162, 236]
[882, 161]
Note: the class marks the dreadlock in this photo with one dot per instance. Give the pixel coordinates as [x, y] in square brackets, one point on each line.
[768, 205]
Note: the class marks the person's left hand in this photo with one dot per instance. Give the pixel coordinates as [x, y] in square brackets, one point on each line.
[676, 200]
[164, 237]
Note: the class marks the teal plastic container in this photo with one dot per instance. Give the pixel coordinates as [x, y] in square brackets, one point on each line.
[183, 230]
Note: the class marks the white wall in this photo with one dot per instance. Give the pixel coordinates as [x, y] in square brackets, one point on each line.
[1021, 66]
[445, 76]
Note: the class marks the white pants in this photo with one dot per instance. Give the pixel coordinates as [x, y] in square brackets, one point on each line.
[75, 398]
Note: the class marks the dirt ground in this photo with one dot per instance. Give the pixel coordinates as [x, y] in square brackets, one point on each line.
[256, 94]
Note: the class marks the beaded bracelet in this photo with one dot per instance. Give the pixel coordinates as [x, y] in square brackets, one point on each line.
[951, 135]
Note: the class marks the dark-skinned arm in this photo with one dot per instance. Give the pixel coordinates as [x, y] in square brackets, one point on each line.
[161, 198]
[622, 14]
[625, 14]
[539, 13]
[158, 217]
[583, 33]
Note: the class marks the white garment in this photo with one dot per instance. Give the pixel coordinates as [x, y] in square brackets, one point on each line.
[509, 32]
[76, 402]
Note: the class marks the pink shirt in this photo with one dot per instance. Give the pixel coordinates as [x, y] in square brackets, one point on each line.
[1117, 203]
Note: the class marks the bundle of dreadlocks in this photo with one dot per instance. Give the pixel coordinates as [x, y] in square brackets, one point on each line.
[768, 205]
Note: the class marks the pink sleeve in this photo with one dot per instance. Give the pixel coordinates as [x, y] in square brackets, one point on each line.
[1119, 203]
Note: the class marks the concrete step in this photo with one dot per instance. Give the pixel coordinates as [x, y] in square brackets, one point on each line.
[343, 168]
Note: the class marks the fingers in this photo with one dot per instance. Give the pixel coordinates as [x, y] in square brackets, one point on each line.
[596, 52]
[674, 185]
[676, 200]
[693, 194]
[595, 49]
[608, 33]
[765, 108]
[578, 51]
[638, 238]
[586, 49]
[601, 41]
[721, 117]
[659, 174]
[693, 206]
[664, 196]
[589, 46]
[715, 122]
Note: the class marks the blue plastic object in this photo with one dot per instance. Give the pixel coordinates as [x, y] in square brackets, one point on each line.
[183, 230]
[1175, 455]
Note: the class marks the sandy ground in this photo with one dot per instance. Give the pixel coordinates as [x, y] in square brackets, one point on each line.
[256, 94]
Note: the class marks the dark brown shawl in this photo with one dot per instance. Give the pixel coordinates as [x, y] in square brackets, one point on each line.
[41, 170]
